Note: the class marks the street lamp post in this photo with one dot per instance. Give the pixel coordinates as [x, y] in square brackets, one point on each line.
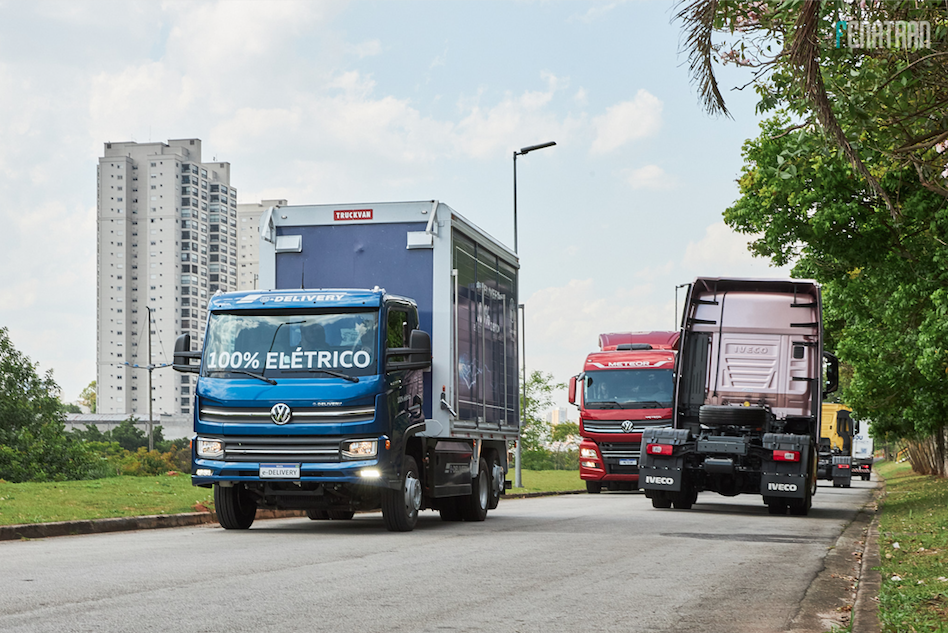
[150, 367]
[523, 152]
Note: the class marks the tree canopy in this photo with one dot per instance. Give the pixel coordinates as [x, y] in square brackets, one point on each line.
[848, 180]
[33, 442]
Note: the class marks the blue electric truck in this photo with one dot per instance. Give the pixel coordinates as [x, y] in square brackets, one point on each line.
[377, 370]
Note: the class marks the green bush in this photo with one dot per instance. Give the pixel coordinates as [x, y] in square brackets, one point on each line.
[542, 459]
[113, 460]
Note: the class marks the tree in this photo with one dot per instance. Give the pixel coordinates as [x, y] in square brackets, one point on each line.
[534, 429]
[69, 407]
[848, 182]
[88, 397]
[33, 442]
[563, 430]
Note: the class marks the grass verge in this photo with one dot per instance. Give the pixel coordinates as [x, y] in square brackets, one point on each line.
[913, 546]
[163, 494]
[32, 502]
[547, 481]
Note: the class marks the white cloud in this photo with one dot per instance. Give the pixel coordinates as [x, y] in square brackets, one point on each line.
[564, 322]
[723, 252]
[626, 122]
[649, 177]
[597, 11]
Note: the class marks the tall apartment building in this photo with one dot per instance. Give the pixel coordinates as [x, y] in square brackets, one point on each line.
[557, 416]
[167, 241]
[248, 231]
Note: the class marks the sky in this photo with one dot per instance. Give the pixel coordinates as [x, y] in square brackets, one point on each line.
[332, 101]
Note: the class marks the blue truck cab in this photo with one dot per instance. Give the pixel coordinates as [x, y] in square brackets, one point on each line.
[322, 399]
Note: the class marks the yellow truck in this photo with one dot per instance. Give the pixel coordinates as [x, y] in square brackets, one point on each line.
[835, 460]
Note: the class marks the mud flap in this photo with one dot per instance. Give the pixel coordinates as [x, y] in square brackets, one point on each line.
[662, 472]
[782, 485]
[786, 479]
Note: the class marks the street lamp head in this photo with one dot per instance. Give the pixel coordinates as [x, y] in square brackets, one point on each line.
[530, 148]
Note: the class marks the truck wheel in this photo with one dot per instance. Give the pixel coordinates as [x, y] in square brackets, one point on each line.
[449, 510]
[496, 473]
[474, 506]
[661, 500]
[340, 515]
[777, 506]
[685, 499]
[594, 487]
[865, 477]
[317, 515]
[720, 415]
[236, 509]
[801, 507]
[400, 507]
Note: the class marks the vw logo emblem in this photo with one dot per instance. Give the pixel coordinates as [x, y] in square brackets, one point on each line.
[628, 425]
[281, 413]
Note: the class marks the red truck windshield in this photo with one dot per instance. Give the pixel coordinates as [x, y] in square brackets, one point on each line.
[628, 389]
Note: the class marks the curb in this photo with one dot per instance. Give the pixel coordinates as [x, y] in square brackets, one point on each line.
[122, 524]
[844, 594]
[866, 607]
[157, 521]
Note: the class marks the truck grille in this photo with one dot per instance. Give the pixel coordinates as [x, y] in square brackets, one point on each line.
[612, 452]
[281, 449]
[300, 415]
[617, 451]
[615, 426]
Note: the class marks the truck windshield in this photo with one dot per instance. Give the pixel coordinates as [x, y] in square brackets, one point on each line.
[291, 345]
[628, 389]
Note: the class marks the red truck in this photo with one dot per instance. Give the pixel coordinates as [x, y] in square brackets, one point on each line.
[625, 387]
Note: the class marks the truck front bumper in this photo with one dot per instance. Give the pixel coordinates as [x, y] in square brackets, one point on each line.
[375, 472]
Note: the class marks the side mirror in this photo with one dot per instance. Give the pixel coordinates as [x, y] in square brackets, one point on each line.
[831, 365]
[183, 355]
[572, 390]
[416, 356]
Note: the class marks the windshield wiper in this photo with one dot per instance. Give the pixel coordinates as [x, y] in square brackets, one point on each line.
[269, 381]
[646, 404]
[605, 404]
[337, 374]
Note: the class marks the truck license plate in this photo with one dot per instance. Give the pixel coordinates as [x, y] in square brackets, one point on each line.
[279, 471]
[628, 462]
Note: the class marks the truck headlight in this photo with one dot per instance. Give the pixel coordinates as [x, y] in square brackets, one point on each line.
[360, 449]
[587, 452]
[210, 448]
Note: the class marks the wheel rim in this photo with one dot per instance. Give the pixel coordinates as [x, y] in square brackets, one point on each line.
[483, 490]
[412, 493]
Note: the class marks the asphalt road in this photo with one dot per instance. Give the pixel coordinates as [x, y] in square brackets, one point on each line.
[584, 563]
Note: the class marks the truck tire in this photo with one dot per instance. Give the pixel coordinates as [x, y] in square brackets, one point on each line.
[449, 510]
[400, 507]
[685, 499]
[722, 415]
[661, 500]
[594, 487]
[317, 515]
[496, 473]
[801, 507]
[474, 506]
[235, 507]
[777, 506]
[340, 515]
